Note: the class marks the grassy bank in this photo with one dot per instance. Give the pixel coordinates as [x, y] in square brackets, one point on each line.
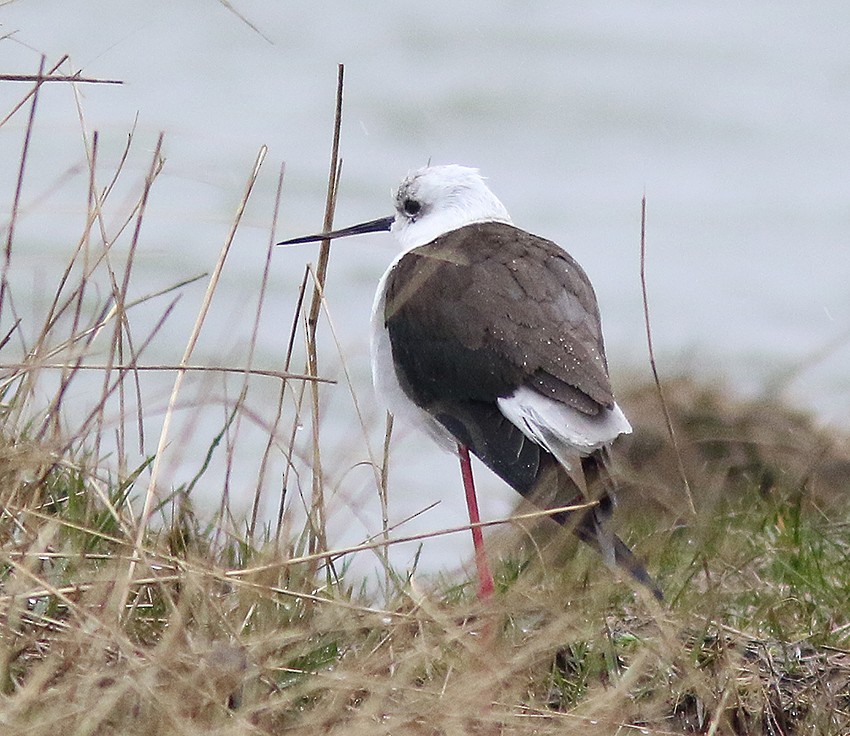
[241, 638]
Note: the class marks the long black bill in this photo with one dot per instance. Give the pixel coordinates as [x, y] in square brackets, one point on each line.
[373, 226]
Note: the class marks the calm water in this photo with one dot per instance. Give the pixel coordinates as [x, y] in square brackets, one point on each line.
[733, 119]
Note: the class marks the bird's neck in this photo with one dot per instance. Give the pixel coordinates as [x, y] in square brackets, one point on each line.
[420, 232]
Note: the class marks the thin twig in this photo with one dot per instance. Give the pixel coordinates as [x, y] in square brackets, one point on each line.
[318, 501]
[661, 398]
[302, 290]
[263, 286]
[39, 78]
[9, 333]
[341, 551]
[281, 375]
[383, 494]
[151, 493]
[330, 202]
[253, 26]
[261, 297]
[10, 233]
[85, 245]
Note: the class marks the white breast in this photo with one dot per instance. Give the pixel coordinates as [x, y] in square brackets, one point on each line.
[385, 378]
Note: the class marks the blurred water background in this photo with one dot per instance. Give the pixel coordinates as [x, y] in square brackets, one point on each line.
[733, 118]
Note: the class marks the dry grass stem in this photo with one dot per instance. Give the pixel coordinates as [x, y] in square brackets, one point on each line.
[652, 364]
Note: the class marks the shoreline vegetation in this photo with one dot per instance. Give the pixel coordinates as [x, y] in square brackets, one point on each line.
[111, 624]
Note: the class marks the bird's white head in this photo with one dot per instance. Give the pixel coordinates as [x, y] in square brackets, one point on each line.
[429, 202]
[437, 199]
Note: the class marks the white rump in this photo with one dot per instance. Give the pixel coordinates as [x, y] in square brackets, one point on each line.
[561, 429]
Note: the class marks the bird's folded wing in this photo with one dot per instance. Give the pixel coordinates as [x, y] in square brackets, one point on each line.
[488, 308]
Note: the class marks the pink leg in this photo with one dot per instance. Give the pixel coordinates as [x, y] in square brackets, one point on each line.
[485, 577]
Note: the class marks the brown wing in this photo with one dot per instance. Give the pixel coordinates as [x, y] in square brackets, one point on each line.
[487, 308]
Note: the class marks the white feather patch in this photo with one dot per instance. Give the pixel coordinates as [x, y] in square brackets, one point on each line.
[559, 428]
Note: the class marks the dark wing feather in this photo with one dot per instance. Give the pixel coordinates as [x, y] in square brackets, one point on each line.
[487, 308]
[493, 439]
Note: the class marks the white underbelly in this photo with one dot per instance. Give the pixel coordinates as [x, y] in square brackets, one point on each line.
[385, 379]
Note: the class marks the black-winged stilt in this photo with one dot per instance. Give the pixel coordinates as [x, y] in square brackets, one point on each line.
[490, 339]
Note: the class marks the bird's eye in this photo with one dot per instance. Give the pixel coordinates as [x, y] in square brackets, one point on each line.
[411, 207]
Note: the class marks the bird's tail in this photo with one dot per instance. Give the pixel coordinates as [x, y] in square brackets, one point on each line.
[592, 526]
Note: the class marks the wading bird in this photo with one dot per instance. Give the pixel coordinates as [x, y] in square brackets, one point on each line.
[490, 339]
